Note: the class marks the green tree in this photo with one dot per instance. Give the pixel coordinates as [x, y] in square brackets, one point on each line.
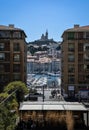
[19, 87]
[16, 85]
[3, 96]
[12, 93]
[7, 118]
[32, 49]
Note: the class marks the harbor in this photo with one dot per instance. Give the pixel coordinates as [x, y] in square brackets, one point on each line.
[47, 84]
[47, 80]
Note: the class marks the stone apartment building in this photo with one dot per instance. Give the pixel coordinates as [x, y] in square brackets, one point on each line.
[75, 61]
[12, 54]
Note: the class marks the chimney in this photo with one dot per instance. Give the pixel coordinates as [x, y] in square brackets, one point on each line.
[11, 25]
[76, 26]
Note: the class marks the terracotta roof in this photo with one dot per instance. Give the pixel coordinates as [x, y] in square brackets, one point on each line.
[11, 27]
[79, 29]
[2, 27]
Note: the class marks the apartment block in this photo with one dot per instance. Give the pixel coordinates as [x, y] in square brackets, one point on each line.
[12, 55]
[75, 62]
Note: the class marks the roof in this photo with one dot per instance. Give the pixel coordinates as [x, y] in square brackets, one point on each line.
[10, 27]
[2, 27]
[79, 29]
[61, 106]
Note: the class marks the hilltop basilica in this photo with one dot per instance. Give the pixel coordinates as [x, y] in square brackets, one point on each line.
[44, 37]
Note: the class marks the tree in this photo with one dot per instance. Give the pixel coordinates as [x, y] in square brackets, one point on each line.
[19, 87]
[3, 96]
[7, 118]
[16, 85]
[32, 49]
[9, 104]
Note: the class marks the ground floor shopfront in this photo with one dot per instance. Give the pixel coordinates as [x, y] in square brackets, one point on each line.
[57, 115]
[79, 92]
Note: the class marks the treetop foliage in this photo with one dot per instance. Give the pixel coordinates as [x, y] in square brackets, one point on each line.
[16, 85]
[11, 88]
[3, 96]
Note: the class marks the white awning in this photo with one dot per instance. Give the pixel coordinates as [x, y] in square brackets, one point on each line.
[61, 106]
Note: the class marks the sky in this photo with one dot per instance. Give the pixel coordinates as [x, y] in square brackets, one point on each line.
[37, 16]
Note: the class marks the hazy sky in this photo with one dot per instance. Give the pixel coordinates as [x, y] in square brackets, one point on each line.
[35, 16]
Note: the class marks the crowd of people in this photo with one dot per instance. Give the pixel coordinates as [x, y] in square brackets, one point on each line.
[36, 125]
[45, 125]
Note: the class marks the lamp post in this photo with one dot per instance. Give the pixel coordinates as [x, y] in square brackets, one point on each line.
[43, 93]
[87, 93]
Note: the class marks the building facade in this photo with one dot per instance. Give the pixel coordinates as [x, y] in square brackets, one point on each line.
[12, 55]
[75, 62]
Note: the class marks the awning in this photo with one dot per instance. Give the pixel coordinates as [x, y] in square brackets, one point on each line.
[61, 106]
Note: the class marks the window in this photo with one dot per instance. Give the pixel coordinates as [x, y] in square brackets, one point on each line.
[71, 47]
[87, 34]
[80, 46]
[86, 67]
[2, 33]
[7, 56]
[16, 77]
[2, 78]
[16, 68]
[1, 68]
[16, 57]
[87, 77]
[1, 46]
[7, 67]
[5, 34]
[81, 68]
[86, 47]
[2, 56]
[7, 46]
[17, 35]
[16, 47]
[7, 78]
[71, 79]
[80, 35]
[80, 57]
[71, 57]
[80, 78]
[71, 68]
[70, 35]
[86, 57]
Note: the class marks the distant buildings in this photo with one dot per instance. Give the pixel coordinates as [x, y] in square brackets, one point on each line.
[75, 62]
[43, 64]
[46, 57]
[12, 54]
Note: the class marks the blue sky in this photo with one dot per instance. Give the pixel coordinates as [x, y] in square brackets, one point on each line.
[35, 16]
